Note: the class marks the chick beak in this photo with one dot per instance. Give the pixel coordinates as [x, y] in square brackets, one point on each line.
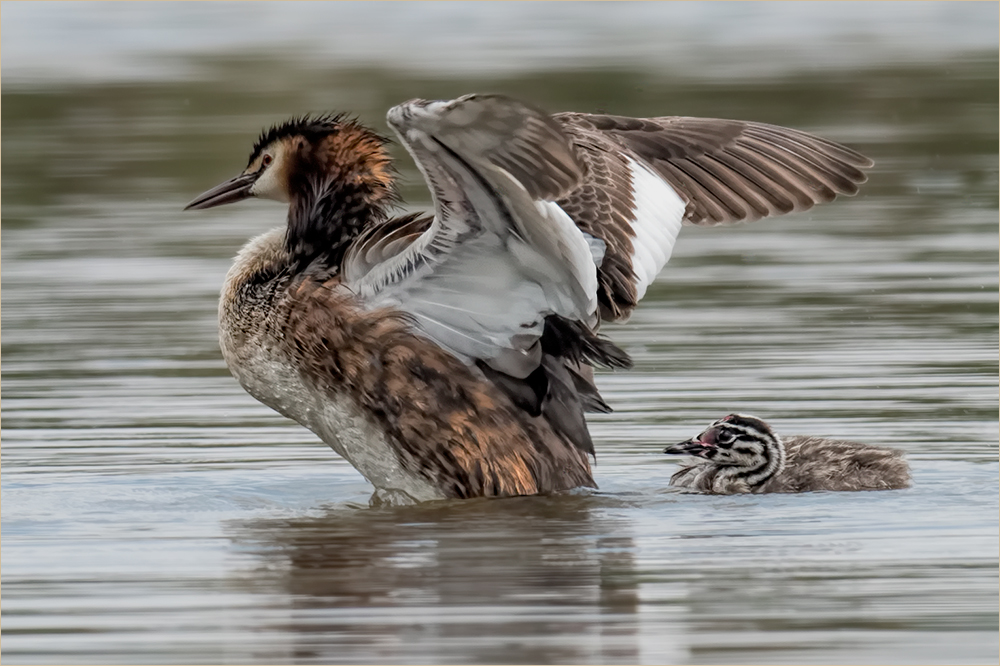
[231, 191]
[691, 447]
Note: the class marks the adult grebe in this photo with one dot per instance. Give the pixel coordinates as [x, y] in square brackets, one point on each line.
[743, 455]
[453, 355]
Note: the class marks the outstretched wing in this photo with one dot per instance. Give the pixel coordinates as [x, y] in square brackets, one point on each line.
[648, 176]
[545, 224]
[498, 256]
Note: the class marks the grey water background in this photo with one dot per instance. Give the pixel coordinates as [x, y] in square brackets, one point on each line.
[152, 512]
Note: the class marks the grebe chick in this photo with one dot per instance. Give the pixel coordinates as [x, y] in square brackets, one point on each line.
[743, 455]
[452, 355]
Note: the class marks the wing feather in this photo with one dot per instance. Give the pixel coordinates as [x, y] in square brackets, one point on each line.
[724, 171]
[498, 257]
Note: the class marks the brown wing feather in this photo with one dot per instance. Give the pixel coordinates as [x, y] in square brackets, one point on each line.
[522, 139]
[604, 207]
[731, 170]
[382, 241]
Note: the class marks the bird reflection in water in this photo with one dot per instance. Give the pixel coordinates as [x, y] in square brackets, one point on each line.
[522, 580]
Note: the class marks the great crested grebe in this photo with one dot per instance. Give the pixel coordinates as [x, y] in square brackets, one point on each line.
[743, 455]
[452, 355]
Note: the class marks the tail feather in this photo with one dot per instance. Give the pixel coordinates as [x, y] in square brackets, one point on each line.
[574, 341]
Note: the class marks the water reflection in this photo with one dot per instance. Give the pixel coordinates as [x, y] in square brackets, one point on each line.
[476, 582]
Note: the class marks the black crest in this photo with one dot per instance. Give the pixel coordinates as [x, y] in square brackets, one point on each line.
[312, 127]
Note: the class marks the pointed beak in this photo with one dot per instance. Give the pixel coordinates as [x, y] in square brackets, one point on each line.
[230, 191]
[691, 447]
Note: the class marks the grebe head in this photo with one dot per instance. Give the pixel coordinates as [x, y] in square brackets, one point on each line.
[289, 157]
[334, 173]
[736, 440]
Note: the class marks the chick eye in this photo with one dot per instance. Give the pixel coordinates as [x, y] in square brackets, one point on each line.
[726, 438]
[266, 160]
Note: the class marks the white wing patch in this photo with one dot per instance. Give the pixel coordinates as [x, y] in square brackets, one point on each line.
[658, 215]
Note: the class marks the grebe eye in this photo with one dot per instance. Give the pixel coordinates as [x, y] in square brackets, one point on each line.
[266, 160]
[726, 437]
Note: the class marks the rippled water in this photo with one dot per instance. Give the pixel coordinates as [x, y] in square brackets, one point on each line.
[153, 512]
